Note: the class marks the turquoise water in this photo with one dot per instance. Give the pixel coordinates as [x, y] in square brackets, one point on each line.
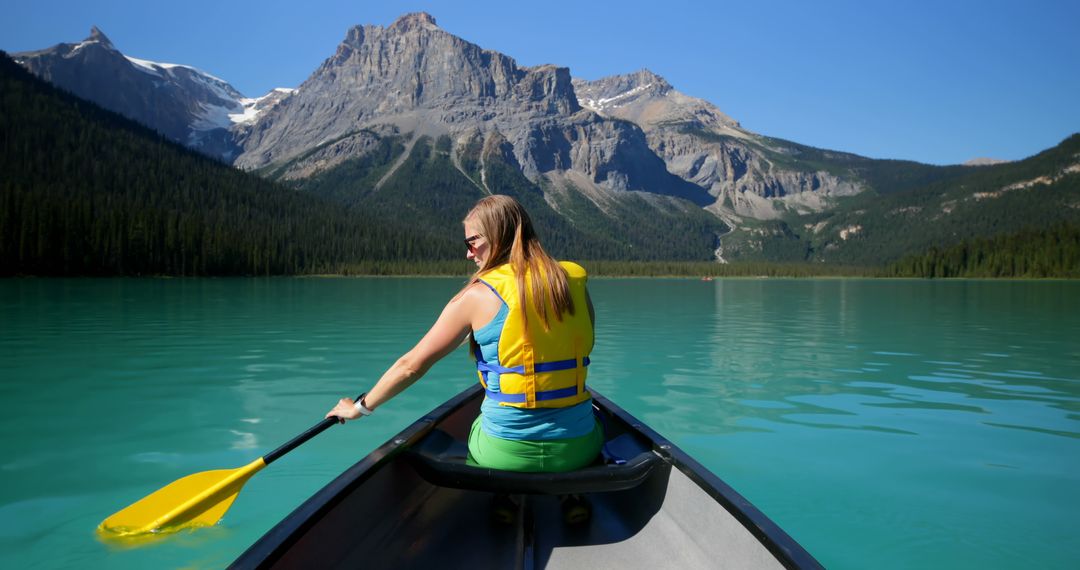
[883, 424]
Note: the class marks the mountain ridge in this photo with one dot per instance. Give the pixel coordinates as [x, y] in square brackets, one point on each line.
[87, 191]
[618, 153]
[182, 102]
[521, 104]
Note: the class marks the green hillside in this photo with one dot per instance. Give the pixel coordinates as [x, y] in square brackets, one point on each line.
[427, 195]
[873, 229]
[87, 192]
[1050, 252]
[881, 176]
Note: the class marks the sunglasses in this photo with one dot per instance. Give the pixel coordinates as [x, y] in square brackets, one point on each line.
[469, 241]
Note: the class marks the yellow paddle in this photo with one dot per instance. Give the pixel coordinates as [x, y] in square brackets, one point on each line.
[197, 500]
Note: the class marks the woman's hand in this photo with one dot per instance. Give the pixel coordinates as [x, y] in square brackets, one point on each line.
[344, 410]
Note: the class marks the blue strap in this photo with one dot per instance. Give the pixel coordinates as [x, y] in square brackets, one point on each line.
[540, 366]
[485, 367]
[545, 395]
[483, 371]
[493, 290]
[559, 365]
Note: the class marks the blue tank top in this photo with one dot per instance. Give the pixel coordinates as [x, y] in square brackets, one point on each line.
[536, 424]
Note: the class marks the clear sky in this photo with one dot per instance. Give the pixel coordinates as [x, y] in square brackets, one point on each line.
[937, 81]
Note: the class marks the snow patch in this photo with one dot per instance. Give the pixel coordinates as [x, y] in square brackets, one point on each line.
[608, 102]
[144, 65]
[218, 86]
[157, 66]
[81, 45]
[214, 117]
[248, 115]
[226, 106]
[252, 108]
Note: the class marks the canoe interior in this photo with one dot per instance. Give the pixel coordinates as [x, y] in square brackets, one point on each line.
[384, 513]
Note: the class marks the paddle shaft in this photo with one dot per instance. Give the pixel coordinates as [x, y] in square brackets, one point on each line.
[298, 440]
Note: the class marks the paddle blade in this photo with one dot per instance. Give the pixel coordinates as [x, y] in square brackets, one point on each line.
[196, 500]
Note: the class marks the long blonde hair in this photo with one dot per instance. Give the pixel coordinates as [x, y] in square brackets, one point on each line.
[509, 232]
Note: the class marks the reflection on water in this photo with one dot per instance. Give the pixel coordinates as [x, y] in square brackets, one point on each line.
[761, 351]
[911, 423]
[959, 397]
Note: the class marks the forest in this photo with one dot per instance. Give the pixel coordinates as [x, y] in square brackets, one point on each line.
[86, 192]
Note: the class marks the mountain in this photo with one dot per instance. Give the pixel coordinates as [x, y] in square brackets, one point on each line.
[390, 96]
[415, 78]
[624, 133]
[185, 104]
[702, 145]
[411, 124]
[86, 191]
[975, 202]
[409, 120]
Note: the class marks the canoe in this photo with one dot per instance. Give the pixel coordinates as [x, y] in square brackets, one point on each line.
[415, 503]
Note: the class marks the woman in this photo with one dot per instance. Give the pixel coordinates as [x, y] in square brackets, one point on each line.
[529, 322]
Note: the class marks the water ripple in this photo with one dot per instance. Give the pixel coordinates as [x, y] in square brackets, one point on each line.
[916, 424]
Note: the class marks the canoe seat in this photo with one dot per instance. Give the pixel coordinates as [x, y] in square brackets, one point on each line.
[441, 460]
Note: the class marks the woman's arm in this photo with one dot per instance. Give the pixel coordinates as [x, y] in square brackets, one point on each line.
[448, 332]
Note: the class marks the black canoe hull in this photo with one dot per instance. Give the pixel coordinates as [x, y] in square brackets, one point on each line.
[412, 503]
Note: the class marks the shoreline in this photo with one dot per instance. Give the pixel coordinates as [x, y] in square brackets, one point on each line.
[703, 270]
[591, 276]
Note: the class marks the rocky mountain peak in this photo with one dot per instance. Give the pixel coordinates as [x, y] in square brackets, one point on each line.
[647, 99]
[413, 21]
[417, 21]
[407, 74]
[413, 80]
[184, 104]
[620, 90]
[97, 36]
[354, 38]
[642, 78]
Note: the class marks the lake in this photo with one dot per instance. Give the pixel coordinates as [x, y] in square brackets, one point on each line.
[881, 423]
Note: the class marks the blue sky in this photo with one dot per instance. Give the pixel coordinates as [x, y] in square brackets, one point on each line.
[933, 81]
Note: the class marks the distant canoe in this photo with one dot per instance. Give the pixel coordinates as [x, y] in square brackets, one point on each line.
[415, 503]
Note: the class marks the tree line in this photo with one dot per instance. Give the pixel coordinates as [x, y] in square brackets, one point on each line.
[1035, 253]
[85, 191]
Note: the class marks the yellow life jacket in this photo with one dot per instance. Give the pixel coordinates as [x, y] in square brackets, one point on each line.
[539, 368]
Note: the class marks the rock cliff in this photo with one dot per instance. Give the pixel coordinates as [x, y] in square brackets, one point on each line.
[412, 79]
[749, 175]
[421, 80]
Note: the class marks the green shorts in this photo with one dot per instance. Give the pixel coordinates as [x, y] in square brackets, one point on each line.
[552, 455]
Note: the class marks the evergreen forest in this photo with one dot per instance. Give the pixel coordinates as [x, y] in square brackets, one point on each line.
[86, 192]
[1036, 253]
